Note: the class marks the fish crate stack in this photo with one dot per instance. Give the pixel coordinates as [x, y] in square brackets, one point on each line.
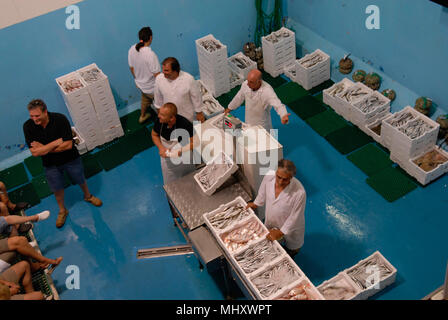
[313, 69]
[242, 64]
[215, 173]
[79, 141]
[279, 51]
[103, 101]
[428, 166]
[263, 265]
[235, 78]
[371, 108]
[331, 97]
[79, 104]
[349, 97]
[213, 65]
[291, 72]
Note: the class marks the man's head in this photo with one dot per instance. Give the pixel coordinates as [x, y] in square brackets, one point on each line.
[171, 68]
[254, 79]
[285, 172]
[38, 111]
[167, 113]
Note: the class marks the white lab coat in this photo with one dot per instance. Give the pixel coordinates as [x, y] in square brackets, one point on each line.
[258, 104]
[287, 212]
[184, 92]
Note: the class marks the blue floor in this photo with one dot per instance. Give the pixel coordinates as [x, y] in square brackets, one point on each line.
[346, 221]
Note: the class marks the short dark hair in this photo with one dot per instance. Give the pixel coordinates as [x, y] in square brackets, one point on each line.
[175, 66]
[37, 103]
[288, 165]
[171, 108]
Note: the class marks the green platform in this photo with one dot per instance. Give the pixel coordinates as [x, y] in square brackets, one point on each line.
[91, 165]
[307, 107]
[14, 176]
[26, 193]
[41, 187]
[226, 98]
[139, 140]
[326, 122]
[370, 159]
[290, 92]
[274, 82]
[34, 165]
[321, 87]
[114, 154]
[391, 183]
[348, 139]
[130, 122]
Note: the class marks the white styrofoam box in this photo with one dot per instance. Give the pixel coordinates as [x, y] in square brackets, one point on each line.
[75, 94]
[344, 107]
[360, 118]
[309, 77]
[211, 113]
[329, 98]
[267, 268]
[291, 72]
[368, 128]
[311, 291]
[377, 287]
[81, 142]
[220, 180]
[343, 279]
[309, 82]
[388, 132]
[113, 133]
[251, 65]
[235, 79]
[282, 41]
[215, 57]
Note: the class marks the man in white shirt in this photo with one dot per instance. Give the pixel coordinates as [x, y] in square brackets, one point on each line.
[145, 67]
[180, 88]
[284, 199]
[260, 98]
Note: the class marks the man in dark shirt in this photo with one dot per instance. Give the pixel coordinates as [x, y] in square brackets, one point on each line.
[173, 136]
[49, 136]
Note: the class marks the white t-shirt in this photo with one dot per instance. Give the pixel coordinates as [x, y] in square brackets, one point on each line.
[145, 64]
[183, 91]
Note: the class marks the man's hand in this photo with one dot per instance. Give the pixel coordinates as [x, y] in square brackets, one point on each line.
[162, 152]
[285, 119]
[227, 111]
[274, 234]
[36, 144]
[200, 116]
[251, 205]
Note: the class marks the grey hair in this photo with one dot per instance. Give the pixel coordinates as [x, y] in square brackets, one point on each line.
[288, 165]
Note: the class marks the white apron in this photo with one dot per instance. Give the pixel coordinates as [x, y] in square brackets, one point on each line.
[255, 115]
[170, 170]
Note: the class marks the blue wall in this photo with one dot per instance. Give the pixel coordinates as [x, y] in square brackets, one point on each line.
[410, 48]
[35, 52]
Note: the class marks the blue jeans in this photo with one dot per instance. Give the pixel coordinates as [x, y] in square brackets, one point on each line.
[55, 174]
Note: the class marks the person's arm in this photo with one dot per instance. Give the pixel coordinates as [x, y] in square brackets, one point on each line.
[38, 149]
[279, 107]
[158, 96]
[156, 139]
[64, 146]
[196, 99]
[132, 71]
[261, 197]
[236, 101]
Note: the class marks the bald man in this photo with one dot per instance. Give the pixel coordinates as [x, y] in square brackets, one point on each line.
[260, 98]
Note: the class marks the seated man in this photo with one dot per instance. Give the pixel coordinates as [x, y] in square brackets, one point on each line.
[284, 199]
[10, 279]
[12, 207]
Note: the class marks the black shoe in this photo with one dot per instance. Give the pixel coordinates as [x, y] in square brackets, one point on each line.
[25, 227]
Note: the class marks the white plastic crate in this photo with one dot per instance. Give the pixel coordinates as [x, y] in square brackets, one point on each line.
[206, 101]
[309, 77]
[343, 105]
[312, 292]
[388, 131]
[75, 94]
[278, 55]
[217, 160]
[79, 141]
[329, 97]
[211, 58]
[235, 79]
[341, 279]
[368, 128]
[202, 87]
[244, 69]
[113, 133]
[291, 72]
[288, 282]
[360, 118]
[377, 287]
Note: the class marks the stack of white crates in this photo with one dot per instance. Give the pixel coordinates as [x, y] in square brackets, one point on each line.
[91, 106]
[242, 64]
[279, 51]
[331, 97]
[213, 65]
[313, 69]
[361, 117]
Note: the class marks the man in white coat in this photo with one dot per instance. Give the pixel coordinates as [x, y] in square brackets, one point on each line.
[284, 199]
[178, 87]
[260, 98]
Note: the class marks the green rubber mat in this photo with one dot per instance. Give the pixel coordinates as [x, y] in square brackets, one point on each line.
[91, 165]
[34, 165]
[225, 98]
[326, 122]
[14, 176]
[321, 87]
[290, 92]
[139, 140]
[40, 282]
[130, 123]
[41, 186]
[114, 155]
[319, 97]
[370, 159]
[348, 139]
[274, 82]
[307, 107]
[26, 193]
[391, 184]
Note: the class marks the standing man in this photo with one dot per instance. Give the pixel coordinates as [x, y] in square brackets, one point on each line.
[260, 98]
[49, 135]
[173, 135]
[180, 88]
[145, 67]
[284, 198]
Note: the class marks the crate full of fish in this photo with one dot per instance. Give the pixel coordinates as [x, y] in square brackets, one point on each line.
[313, 69]
[210, 106]
[302, 289]
[374, 129]
[372, 275]
[389, 127]
[202, 88]
[215, 173]
[329, 97]
[271, 281]
[340, 287]
[369, 109]
[291, 72]
[73, 89]
[211, 51]
[235, 79]
[242, 64]
[350, 96]
[278, 41]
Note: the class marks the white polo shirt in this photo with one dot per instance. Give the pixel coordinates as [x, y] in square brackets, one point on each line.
[145, 64]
